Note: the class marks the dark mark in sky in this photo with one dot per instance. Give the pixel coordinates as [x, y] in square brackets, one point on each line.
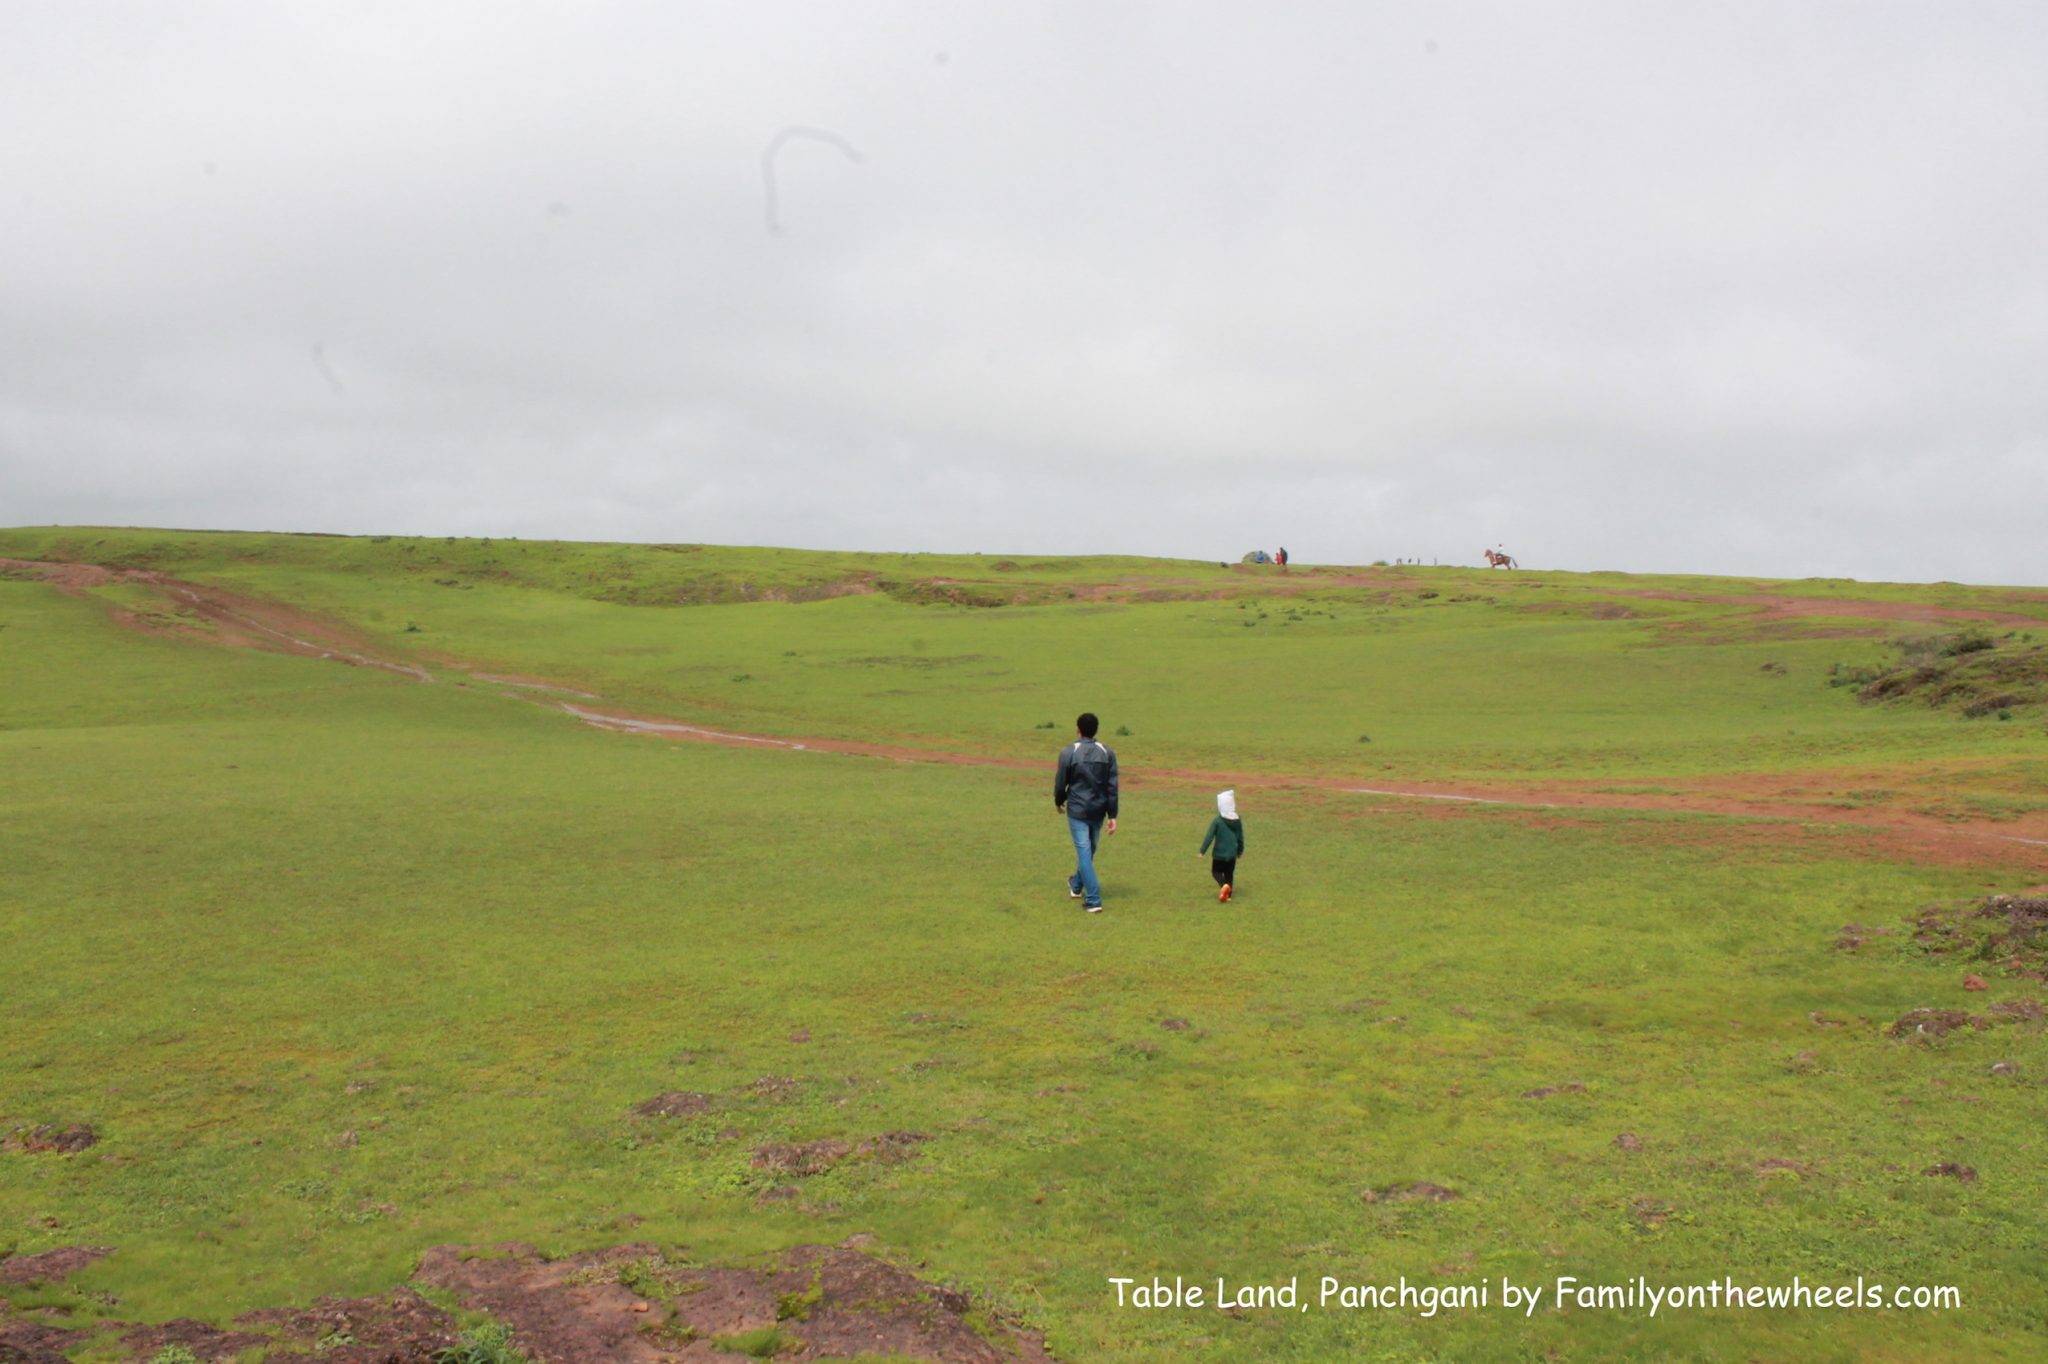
[774, 149]
[326, 370]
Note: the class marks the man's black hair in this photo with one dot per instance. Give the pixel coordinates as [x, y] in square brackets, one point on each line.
[1087, 724]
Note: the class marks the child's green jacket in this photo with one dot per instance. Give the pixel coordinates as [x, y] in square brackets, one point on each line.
[1227, 835]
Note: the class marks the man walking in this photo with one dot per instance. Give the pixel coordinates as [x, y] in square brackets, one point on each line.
[1084, 788]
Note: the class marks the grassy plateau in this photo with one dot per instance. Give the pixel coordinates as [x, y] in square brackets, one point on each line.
[1577, 924]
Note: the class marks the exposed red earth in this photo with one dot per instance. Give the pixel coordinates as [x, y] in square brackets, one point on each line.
[1778, 606]
[1796, 803]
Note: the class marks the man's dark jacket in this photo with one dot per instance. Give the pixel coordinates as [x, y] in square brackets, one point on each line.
[1085, 781]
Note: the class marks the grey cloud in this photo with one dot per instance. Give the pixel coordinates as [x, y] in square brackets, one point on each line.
[1748, 288]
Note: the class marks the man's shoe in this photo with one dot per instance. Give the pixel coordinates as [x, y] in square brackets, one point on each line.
[1093, 909]
[1224, 894]
[1073, 894]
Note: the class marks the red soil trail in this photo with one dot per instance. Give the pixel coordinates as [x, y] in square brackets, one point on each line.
[1898, 832]
[1776, 606]
[218, 615]
[1786, 799]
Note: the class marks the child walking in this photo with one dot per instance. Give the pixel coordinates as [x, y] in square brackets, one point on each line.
[1226, 832]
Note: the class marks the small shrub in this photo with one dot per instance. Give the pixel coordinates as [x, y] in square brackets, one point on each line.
[488, 1344]
[1970, 641]
[797, 1306]
[646, 1278]
[1123, 731]
[673, 1332]
[1365, 738]
[765, 1343]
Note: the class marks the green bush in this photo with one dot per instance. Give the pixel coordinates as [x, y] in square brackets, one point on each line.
[489, 1344]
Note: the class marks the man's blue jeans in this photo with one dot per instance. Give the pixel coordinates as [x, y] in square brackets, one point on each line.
[1087, 833]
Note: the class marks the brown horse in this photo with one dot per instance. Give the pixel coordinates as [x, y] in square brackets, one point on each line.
[1496, 559]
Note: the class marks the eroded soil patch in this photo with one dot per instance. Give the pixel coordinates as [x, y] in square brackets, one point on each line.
[2009, 930]
[50, 1138]
[1417, 1191]
[632, 1305]
[209, 1343]
[398, 1326]
[676, 1103]
[50, 1266]
[215, 615]
[806, 1158]
[24, 1340]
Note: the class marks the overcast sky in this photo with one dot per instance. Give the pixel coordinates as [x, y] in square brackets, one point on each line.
[1715, 287]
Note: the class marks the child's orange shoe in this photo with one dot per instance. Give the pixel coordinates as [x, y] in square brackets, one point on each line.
[1223, 894]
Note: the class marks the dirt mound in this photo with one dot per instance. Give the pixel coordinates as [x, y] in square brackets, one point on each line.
[1855, 936]
[1574, 1087]
[48, 1138]
[23, 1341]
[1942, 1022]
[400, 1327]
[631, 1305]
[806, 1158]
[892, 1147]
[2011, 930]
[1932, 1023]
[1419, 1191]
[677, 1103]
[801, 1158]
[1950, 1170]
[49, 1266]
[206, 1342]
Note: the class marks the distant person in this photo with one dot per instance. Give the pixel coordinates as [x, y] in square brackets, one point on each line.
[1281, 557]
[1226, 833]
[1084, 789]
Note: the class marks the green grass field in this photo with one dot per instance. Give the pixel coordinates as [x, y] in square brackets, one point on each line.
[341, 966]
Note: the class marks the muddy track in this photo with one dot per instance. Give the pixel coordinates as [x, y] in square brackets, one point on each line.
[216, 615]
[1776, 606]
[234, 620]
[1899, 832]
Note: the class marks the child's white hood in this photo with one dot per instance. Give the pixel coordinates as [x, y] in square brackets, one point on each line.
[1226, 804]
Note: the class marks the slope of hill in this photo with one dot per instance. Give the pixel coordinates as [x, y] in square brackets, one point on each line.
[370, 895]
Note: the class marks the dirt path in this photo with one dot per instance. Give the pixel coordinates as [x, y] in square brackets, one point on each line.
[217, 615]
[1907, 832]
[1789, 800]
[1776, 606]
